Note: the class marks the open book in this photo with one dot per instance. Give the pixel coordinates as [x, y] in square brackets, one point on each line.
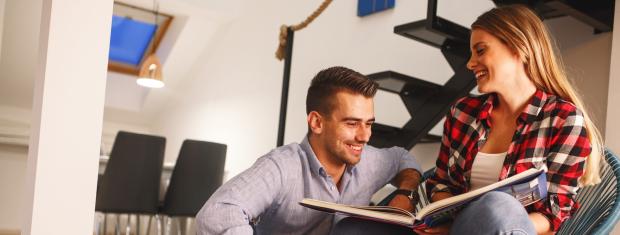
[527, 187]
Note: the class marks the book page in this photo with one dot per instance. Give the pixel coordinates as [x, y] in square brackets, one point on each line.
[388, 214]
[435, 206]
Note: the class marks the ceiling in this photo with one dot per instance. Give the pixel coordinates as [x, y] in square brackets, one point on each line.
[195, 24]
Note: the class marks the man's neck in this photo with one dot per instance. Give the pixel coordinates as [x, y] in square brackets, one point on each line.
[333, 166]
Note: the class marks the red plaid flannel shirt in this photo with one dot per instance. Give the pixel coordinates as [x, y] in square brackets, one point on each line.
[550, 133]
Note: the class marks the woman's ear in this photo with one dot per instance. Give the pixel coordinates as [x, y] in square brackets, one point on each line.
[315, 122]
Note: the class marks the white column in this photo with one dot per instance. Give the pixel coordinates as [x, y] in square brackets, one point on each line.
[67, 117]
[2, 3]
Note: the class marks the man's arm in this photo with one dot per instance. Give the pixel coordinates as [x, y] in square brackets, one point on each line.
[408, 180]
[240, 200]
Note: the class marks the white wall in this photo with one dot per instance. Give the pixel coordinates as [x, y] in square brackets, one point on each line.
[14, 120]
[1, 25]
[586, 58]
[20, 44]
[14, 134]
[12, 174]
[234, 96]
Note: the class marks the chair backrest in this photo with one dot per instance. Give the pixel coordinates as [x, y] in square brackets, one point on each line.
[130, 183]
[198, 172]
[600, 204]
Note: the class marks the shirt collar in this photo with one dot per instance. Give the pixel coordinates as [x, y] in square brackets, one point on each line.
[316, 166]
[529, 113]
[313, 161]
[537, 102]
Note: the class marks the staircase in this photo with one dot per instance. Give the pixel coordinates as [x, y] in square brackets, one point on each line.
[426, 102]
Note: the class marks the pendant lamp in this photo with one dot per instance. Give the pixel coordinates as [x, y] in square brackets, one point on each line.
[151, 69]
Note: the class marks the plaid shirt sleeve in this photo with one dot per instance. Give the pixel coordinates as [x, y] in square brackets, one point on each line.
[568, 147]
[440, 180]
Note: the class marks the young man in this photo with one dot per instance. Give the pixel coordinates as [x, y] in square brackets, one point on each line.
[333, 163]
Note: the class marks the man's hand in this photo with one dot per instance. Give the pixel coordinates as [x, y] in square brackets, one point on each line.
[407, 179]
[401, 201]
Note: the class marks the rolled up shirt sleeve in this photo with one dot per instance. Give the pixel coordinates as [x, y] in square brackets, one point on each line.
[241, 200]
[440, 180]
[565, 162]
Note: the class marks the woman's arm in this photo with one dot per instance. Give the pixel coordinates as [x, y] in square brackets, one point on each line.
[568, 148]
[440, 180]
[440, 196]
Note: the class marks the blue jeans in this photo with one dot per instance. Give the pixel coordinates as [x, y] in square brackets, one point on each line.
[492, 213]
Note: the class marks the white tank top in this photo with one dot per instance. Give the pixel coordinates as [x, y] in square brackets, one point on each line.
[486, 169]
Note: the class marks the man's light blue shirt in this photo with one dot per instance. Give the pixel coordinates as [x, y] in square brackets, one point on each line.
[272, 188]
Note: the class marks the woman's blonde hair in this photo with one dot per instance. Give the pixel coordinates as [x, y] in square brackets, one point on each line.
[523, 31]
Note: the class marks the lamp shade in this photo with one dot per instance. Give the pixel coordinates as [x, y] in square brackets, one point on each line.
[150, 73]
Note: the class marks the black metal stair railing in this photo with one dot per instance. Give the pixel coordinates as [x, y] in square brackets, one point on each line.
[426, 102]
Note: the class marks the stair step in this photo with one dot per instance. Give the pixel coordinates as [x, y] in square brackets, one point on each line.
[384, 136]
[434, 32]
[413, 91]
[598, 14]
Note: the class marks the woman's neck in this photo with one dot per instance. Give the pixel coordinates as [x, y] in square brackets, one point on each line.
[514, 100]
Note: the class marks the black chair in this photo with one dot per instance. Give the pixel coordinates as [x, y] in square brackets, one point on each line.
[130, 183]
[198, 172]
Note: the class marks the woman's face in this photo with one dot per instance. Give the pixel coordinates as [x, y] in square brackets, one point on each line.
[495, 66]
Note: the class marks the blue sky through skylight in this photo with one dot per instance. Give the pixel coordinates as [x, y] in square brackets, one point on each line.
[130, 39]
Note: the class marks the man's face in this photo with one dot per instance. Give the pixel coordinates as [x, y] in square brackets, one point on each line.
[347, 129]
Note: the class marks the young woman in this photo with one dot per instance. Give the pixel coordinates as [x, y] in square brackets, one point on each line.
[529, 116]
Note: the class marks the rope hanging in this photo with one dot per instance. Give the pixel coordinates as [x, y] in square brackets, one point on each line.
[280, 53]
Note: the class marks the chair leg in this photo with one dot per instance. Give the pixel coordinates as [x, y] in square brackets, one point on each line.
[97, 224]
[179, 225]
[148, 226]
[117, 229]
[158, 220]
[190, 227]
[105, 224]
[137, 224]
[168, 224]
[128, 225]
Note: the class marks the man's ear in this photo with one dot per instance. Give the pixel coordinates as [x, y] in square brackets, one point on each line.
[315, 122]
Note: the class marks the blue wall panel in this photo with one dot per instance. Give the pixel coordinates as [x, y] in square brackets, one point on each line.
[367, 7]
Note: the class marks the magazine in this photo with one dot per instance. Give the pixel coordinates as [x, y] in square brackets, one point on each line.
[528, 187]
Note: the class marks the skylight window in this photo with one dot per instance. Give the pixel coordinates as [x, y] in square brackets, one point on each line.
[134, 31]
[130, 39]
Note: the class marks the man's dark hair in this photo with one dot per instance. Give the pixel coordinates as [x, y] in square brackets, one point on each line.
[328, 82]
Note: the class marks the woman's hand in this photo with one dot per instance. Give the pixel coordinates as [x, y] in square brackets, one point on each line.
[437, 230]
[440, 196]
